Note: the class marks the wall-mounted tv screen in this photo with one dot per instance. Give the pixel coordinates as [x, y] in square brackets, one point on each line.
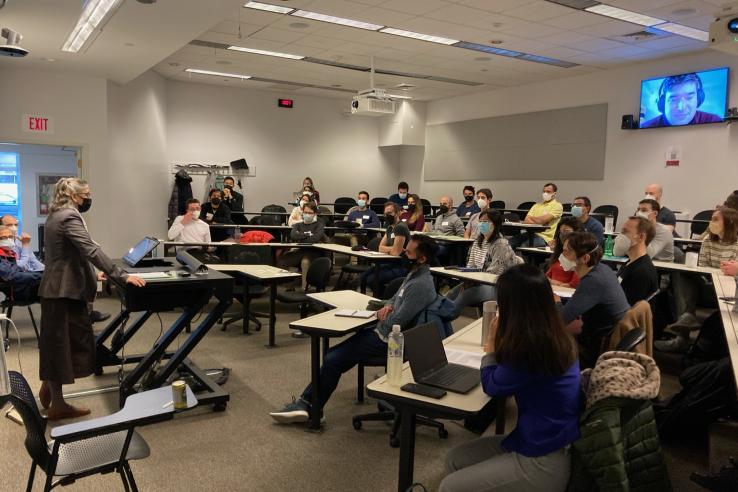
[690, 98]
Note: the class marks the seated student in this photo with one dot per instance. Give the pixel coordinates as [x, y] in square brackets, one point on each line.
[417, 292]
[310, 191]
[581, 208]
[23, 284]
[718, 250]
[555, 274]
[189, 228]
[447, 222]
[296, 214]
[545, 384]
[26, 259]
[546, 212]
[484, 199]
[638, 277]
[400, 198]
[216, 212]
[309, 230]
[731, 201]
[598, 299]
[665, 216]
[365, 216]
[662, 246]
[307, 185]
[233, 199]
[413, 216]
[489, 252]
[393, 243]
[468, 207]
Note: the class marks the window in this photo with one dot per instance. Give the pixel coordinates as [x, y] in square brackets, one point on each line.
[10, 185]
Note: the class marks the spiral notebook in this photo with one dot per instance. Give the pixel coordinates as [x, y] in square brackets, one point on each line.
[355, 313]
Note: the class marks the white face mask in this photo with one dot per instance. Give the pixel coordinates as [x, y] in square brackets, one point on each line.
[14, 229]
[566, 264]
[308, 218]
[482, 202]
[547, 197]
[645, 215]
[621, 245]
[402, 195]
[195, 214]
[649, 197]
[8, 243]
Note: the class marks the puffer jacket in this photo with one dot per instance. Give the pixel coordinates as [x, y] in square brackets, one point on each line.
[619, 447]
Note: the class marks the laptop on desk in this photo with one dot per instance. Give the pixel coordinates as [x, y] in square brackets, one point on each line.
[429, 364]
[135, 261]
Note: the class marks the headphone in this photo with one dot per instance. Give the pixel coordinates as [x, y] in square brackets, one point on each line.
[678, 80]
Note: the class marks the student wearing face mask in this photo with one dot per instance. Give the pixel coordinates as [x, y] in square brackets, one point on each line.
[662, 246]
[233, 199]
[598, 299]
[23, 285]
[638, 277]
[400, 198]
[546, 212]
[719, 250]
[393, 243]
[26, 259]
[447, 222]
[189, 228]
[555, 274]
[309, 191]
[469, 206]
[413, 217]
[309, 230]
[308, 186]
[296, 214]
[217, 212]
[363, 215]
[484, 199]
[580, 209]
[491, 253]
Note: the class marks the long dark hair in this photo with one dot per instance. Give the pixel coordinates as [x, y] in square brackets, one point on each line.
[531, 336]
[495, 217]
[417, 209]
[559, 248]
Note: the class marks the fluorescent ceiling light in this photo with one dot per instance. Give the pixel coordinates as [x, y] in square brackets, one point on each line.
[336, 20]
[686, 31]
[417, 35]
[518, 55]
[218, 74]
[398, 96]
[265, 52]
[95, 14]
[268, 7]
[625, 15]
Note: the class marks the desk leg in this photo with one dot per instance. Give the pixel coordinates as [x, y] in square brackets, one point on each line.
[375, 287]
[246, 307]
[326, 346]
[407, 449]
[530, 237]
[315, 411]
[272, 313]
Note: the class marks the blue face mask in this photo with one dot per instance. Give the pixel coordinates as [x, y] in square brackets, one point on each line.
[484, 228]
[361, 203]
[576, 211]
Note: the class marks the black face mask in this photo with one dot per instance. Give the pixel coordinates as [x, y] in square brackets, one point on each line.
[468, 198]
[230, 187]
[443, 209]
[85, 206]
[215, 201]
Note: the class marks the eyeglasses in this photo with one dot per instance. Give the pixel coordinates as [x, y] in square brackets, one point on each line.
[85, 195]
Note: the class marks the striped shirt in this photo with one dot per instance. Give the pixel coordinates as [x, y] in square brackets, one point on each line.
[493, 257]
[713, 252]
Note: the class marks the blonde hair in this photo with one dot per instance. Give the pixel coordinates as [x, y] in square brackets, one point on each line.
[63, 191]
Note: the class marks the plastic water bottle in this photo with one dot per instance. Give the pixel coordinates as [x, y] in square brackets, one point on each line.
[395, 350]
[609, 244]
[609, 224]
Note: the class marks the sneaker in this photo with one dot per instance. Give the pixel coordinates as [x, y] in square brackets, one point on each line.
[299, 334]
[297, 411]
[686, 321]
[677, 344]
[724, 480]
[98, 316]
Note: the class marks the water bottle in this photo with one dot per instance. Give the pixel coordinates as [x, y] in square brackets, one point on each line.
[609, 223]
[395, 350]
[489, 311]
[609, 243]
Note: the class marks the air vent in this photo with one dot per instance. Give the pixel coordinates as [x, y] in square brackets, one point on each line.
[639, 36]
[209, 44]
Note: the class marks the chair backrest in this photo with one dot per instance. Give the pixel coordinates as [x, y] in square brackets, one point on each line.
[249, 255]
[427, 208]
[607, 210]
[699, 228]
[526, 205]
[377, 204]
[269, 219]
[392, 287]
[342, 204]
[25, 404]
[631, 339]
[318, 274]
[566, 207]
[327, 220]
[255, 220]
[373, 243]
[637, 317]
[511, 217]
[497, 204]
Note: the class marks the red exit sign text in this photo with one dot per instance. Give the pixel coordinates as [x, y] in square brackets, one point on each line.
[37, 123]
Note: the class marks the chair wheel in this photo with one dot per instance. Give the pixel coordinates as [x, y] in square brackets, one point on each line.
[357, 424]
[443, 433]
[219, 407]
[394, 442]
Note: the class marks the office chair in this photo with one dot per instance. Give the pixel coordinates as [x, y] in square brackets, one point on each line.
[317, 277]
[7, 305]
[343, 204]
[526, 205]
[248, 255]
[631, 340]
[357, 268]
[377, 205]
[269, 219]
[607, 210]
[699, 228]
[427, 207]
[497, 204]
[566, 207]
[510, 217]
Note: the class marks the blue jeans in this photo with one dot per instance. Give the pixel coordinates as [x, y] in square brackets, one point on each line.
[386, 274]
[469, 295]
[362, 347]
[522, 240]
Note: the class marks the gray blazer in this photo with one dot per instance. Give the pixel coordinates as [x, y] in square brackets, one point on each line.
[70, 254]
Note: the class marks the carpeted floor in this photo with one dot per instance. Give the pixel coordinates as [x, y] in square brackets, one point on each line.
[241, 448]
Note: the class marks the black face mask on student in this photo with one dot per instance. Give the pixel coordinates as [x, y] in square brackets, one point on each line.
[85, 206]
[389, 219]
[443, 209]
[230, 187]
[468, 198]
[215, 201]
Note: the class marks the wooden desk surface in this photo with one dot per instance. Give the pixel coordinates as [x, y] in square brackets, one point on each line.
[477, 277]
[328, 324]
[261, 272]
[346, 250]
[343, 299]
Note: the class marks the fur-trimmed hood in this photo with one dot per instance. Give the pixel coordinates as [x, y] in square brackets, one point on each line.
[623, 375]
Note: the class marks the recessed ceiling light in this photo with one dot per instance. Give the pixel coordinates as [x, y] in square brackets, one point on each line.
[265, 52]
[497, 24]
[625, 15]
[417, 35]
[485, 70]
[299, 25]
[496, 41]
[686, 31]
[268, 7]
[174, 64]
[336, 20]
[223, 62]
[217, 74]
[93, 17]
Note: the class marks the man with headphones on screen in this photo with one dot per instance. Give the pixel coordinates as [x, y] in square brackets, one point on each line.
[679, 98]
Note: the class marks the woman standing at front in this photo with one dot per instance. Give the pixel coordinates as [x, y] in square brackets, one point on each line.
[67, 343]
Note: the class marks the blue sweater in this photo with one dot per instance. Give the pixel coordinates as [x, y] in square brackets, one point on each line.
[595, 227]
[548, 406]
[367, 216]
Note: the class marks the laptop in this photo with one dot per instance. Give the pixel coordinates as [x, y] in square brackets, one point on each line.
[135, 255]
[429, 364]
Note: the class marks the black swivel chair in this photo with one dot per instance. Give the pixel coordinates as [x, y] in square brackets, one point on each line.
[510, 217]
[526, 205]
[325, 216]
[497, 204]
[270, 219]
[248, 255]
[606, 210]
[317, 277]
[427, 207]
[566, 207]
[376, 204]
[7, 305]
[343, 204]
[358, 268]
[699, 228]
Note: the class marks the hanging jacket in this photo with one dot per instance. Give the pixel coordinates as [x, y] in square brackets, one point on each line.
[181, 192]
[211, 179]
[441, 312]
[619, 448]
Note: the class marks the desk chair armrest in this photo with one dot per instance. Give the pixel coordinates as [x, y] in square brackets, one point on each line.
[653, 296]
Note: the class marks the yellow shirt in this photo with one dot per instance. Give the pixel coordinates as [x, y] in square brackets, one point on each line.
[554, 208]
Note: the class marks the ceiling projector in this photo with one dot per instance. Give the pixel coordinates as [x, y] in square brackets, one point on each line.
[724, 29]
[12, 48]
[372, 102]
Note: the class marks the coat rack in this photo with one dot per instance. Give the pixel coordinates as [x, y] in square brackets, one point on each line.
[218, 169]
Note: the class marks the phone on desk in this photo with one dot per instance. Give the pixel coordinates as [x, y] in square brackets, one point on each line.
[462, 269]
[424, 390]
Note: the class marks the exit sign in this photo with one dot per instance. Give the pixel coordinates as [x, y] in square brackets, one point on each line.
[37, 123]
[285, 103]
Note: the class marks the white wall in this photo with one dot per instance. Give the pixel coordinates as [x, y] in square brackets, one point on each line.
[215, 125]
[709, 168]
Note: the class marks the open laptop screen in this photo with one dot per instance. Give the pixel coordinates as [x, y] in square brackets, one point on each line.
[137, 253]
[424, 349]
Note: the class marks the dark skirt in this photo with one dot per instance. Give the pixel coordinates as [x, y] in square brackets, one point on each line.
[67, 343]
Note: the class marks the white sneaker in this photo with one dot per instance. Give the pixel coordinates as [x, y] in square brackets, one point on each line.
[675, 345]
[297, 411]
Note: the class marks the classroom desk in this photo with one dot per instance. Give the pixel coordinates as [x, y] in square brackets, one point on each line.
[259, 274]
[475, 277]
[530, 229]
[546, 251]
[373, 257]
[725, 287]
[344, 299]
[325, 325]
[451, 406]
[457, 244]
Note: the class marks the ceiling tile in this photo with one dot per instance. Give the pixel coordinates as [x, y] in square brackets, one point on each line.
[560, 52]
[339, 8]
[278, 35]
[538, 11]
[416, 7]
[567, 38]
[232, 27]
[626, 51]
[575, 20]
[596, 45]
[495, 5]
[316, 41]
[456, 13]
[385, 17]
[679, 11]
[610, 28]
